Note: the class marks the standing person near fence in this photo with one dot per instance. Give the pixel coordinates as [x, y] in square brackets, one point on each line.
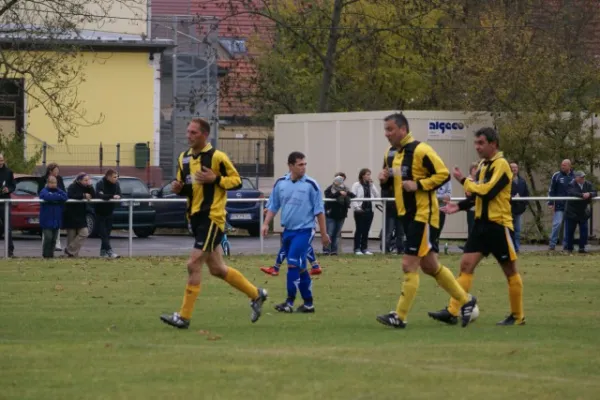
[519, 189]
[107, 188]
[577, 213]
[204, 174]
[8, 185]
[74, 216]
[363, 211]
[417, 172]
[51, 211]
[336, 211]
[52, 170]
[559, 187]
[493, 230]
[300, 199]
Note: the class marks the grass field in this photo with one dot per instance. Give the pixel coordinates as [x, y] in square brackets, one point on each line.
[89, 329]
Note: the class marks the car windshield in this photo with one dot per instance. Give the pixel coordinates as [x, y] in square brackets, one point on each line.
[247, 184]
[26, 187]
[132, 186]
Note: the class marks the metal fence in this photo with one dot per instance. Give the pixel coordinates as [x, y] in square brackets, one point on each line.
[261, 201]
[100, 155]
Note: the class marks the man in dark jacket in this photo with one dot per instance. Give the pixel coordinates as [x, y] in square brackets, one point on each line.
[336, 211]
[394, 229]
[7, 186]
[559, 187]
[519, 189]
[106, 189]
[75, 214]
[578, 212]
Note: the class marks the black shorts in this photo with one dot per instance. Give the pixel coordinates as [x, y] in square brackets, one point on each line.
[491, 238]
[421, 238]
[207, 234]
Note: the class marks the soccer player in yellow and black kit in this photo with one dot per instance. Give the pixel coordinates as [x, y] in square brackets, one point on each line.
[493, 230]
[415, 172]
[204, 174]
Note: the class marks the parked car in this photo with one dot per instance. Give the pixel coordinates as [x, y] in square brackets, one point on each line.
[25, 216]
[144, 214]
[240, 215]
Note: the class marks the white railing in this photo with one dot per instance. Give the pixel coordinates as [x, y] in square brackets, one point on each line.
[261, 202]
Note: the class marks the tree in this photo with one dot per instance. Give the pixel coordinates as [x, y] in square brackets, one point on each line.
[533, 69]
[336, 55]
[41, 48]
[11, 146]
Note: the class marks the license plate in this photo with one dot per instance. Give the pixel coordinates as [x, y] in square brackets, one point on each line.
[126, 204]
[237, 217]
[33, 221]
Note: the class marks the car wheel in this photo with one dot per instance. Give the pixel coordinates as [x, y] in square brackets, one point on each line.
[254, 231]
[91, 224]
[143, 232]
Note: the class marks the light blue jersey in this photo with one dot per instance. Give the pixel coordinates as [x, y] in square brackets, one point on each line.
[300, 202]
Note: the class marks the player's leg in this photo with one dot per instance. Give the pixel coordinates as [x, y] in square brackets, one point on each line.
[443, 276]
[182, 318]
[503, 249]
[298, 278]
[474, 251]
[303, 242]
[217, 267]
[410, 266]
[292, 277]
[274, 270]
[311, 257]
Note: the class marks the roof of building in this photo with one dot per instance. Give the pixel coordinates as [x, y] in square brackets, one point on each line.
[43, 37]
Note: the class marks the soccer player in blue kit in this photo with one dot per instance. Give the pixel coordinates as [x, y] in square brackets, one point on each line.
[300, 199]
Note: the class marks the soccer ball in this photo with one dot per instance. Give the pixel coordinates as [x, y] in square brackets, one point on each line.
[475, 313]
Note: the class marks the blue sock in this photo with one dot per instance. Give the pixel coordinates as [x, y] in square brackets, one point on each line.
[306, 287]
[293, 281]
[280, 259]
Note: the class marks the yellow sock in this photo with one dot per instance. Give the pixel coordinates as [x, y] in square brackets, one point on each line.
[409, 292]
[515, 294]
[447, 281]
[189, 298]
[465, 281]
[239, 281]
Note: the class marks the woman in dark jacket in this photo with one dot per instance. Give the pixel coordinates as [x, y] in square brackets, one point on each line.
[52, 170]
[74, 220]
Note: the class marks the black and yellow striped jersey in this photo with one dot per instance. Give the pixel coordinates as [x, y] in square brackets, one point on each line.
[419, 162]
[207, 198]
[491, 191]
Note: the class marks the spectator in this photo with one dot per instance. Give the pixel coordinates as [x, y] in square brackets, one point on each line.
[74, 220]
[363, 211]
[444, 193]
[8, 185]
[559, 187]
[52, 170]
[51, 211]
[471, 213]
[336, 211]
[519, 189]
[394, 228]
[106, 189]
[578, 212]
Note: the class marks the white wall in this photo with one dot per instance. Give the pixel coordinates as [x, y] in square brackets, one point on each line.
[350, 141]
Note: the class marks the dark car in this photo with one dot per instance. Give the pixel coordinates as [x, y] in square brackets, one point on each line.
[144, 214]
[241, 215]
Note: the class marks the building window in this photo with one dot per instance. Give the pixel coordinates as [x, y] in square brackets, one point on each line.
[234, 46]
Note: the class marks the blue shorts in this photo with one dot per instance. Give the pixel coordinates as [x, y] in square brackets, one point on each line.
[296, 244]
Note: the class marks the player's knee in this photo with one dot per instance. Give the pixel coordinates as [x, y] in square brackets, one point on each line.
[467, 266]
[193, 265]
[410, 265]
[216, 266]
[509, 269]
